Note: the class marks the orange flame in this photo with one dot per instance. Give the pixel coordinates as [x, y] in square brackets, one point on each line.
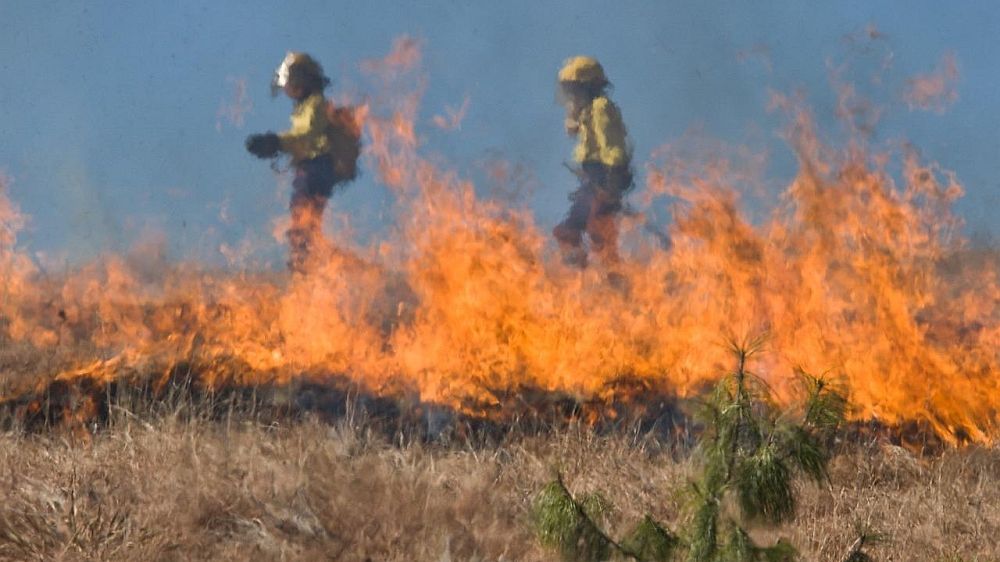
[856, 274]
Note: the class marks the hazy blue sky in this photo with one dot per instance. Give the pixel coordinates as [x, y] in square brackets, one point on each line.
[109, 110]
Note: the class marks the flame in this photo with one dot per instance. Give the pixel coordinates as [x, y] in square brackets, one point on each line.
[404, 57]
[856, 274]
[16, 270]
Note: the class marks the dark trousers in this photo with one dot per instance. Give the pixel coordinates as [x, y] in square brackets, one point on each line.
[311, 188]
[595, 207]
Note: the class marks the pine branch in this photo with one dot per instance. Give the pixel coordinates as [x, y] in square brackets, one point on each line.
[750, 451]
[585, 517]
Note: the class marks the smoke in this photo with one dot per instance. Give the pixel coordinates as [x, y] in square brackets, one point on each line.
[234, 110]
[936, 90]
[506, 180]
[452, 118]
[404, 57]
[11, 219]
[759, 52]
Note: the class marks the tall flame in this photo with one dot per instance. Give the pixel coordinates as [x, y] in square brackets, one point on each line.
[857, 274]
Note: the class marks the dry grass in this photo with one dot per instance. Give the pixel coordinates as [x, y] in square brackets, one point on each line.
[173, 479]
[177, 488]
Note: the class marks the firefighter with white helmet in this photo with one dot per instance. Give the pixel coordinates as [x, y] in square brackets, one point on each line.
[602, 161]
[323, 150]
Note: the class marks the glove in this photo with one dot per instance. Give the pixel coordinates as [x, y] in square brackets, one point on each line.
[266, 145]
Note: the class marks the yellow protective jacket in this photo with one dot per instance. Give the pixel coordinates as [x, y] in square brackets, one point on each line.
[601, 135]
[309, 136]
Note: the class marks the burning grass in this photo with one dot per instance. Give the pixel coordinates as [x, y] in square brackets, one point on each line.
[859, 273]
[403, 401]
[83, 400]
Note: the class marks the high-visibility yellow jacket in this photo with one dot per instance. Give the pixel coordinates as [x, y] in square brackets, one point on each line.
[309, 135]
[601, 135]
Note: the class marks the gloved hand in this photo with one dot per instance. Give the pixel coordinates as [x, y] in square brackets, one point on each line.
[266, 145]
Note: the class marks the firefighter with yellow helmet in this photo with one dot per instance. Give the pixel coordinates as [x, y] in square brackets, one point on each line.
[323, 151]
[602, 162]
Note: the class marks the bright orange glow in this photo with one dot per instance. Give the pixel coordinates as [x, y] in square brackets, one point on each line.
[856, 274]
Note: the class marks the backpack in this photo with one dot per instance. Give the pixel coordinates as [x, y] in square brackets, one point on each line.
[344, 134]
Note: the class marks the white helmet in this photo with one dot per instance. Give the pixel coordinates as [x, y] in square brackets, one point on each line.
[280, 79]
[297, 66]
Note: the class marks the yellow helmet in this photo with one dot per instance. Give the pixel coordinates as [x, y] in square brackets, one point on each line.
[583, 69]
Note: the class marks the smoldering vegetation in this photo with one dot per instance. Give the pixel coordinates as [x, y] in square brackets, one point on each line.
[90, 399]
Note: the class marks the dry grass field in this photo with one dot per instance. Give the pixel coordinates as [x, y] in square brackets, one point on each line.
[182, 487]
[182, 478]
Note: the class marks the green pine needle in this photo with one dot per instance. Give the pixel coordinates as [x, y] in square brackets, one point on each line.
[782, 551]
[739, 546]
[560, 525]
[764, 487]
[556, 519]
[704, 538]
[650, 542]
[749, 454]
[826, 404]
[805, 451]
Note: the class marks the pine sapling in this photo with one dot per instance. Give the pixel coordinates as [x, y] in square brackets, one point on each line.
[749, 454]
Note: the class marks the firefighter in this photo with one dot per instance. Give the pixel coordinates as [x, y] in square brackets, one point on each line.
[601, 161]
[322, 154]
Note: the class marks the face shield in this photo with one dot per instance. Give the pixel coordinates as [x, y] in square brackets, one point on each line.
[280, 79]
